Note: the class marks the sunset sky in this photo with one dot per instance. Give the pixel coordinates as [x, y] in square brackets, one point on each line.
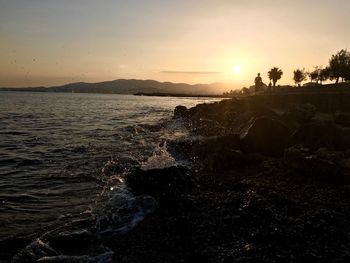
[51, 42]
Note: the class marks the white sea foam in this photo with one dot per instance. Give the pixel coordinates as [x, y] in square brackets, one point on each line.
[161, 158]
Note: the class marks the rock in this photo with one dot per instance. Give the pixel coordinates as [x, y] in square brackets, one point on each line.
[300, 113]
[181, 149]
[171, 181]
[72, 242]
[241, 121]
[346, 164]
[206, 111]
[258, 108]
[11, 245]
[180, 112]
[207, 127]
[316, 135]
[78, 246]
[221, 153]
[313, 163]
[220, 145]
[34, 251]
[119, 165]
[343, 138]
[342, 118]
[229, 160]
[266, 136]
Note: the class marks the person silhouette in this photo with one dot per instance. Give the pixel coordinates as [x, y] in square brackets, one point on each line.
[258, 83]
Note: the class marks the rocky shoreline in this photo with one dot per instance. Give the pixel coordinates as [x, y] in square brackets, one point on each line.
[268, 182]
[267, 185]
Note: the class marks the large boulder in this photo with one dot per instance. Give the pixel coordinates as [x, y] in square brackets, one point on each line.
[240, 121]
[266, 136]
[171, 181]
[180, 112]
[219, 144]
[316, 135]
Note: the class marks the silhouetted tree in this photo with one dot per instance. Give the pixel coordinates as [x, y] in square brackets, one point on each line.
[323, 74]
[274, 75]
[299, 76]
[314, 75]
[319, 74]
[339, 66]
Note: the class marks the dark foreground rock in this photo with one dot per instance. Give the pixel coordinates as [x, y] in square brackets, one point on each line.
[316, 134]
[180, 112]
[77, 246]
[322, 162]
[246, 216]
[167, 182]
[267, 136]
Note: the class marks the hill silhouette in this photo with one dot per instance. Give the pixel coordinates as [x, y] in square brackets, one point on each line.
[131, 86]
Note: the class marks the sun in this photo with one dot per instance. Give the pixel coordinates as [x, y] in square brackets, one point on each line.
[237, 69]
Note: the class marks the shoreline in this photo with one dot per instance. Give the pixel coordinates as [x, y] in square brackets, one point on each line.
[179, 95]
[280, 201]
[269, 182]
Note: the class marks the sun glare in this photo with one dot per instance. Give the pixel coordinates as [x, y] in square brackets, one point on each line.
[236, 69]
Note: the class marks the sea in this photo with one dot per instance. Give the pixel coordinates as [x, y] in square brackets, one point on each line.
[61, 155]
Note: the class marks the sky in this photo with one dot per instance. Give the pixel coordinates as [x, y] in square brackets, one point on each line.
[51, 42]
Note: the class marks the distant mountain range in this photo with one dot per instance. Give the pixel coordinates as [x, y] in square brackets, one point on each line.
[132, 86]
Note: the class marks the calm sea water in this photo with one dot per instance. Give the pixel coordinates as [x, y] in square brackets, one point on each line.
[55, 147]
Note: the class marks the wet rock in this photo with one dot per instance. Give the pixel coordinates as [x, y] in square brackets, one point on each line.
[180, 112]
[122, 213]
[207, 127]
[229, 160]
[152, 127]
[222, 153]
[182, 149]
[207, 111]
[266, 136]
[34, 251]
[220, 145]
[119, 165]
[62, 259]
[72, 242]
[12, 245]
[300, 113]
[171, 181]
[105, 257]
[313, 163]
[316, 135]
[76, 247]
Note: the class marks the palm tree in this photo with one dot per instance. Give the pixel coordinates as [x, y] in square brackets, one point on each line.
[274, 75]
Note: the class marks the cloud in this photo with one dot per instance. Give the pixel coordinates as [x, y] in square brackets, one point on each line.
[190, 72]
